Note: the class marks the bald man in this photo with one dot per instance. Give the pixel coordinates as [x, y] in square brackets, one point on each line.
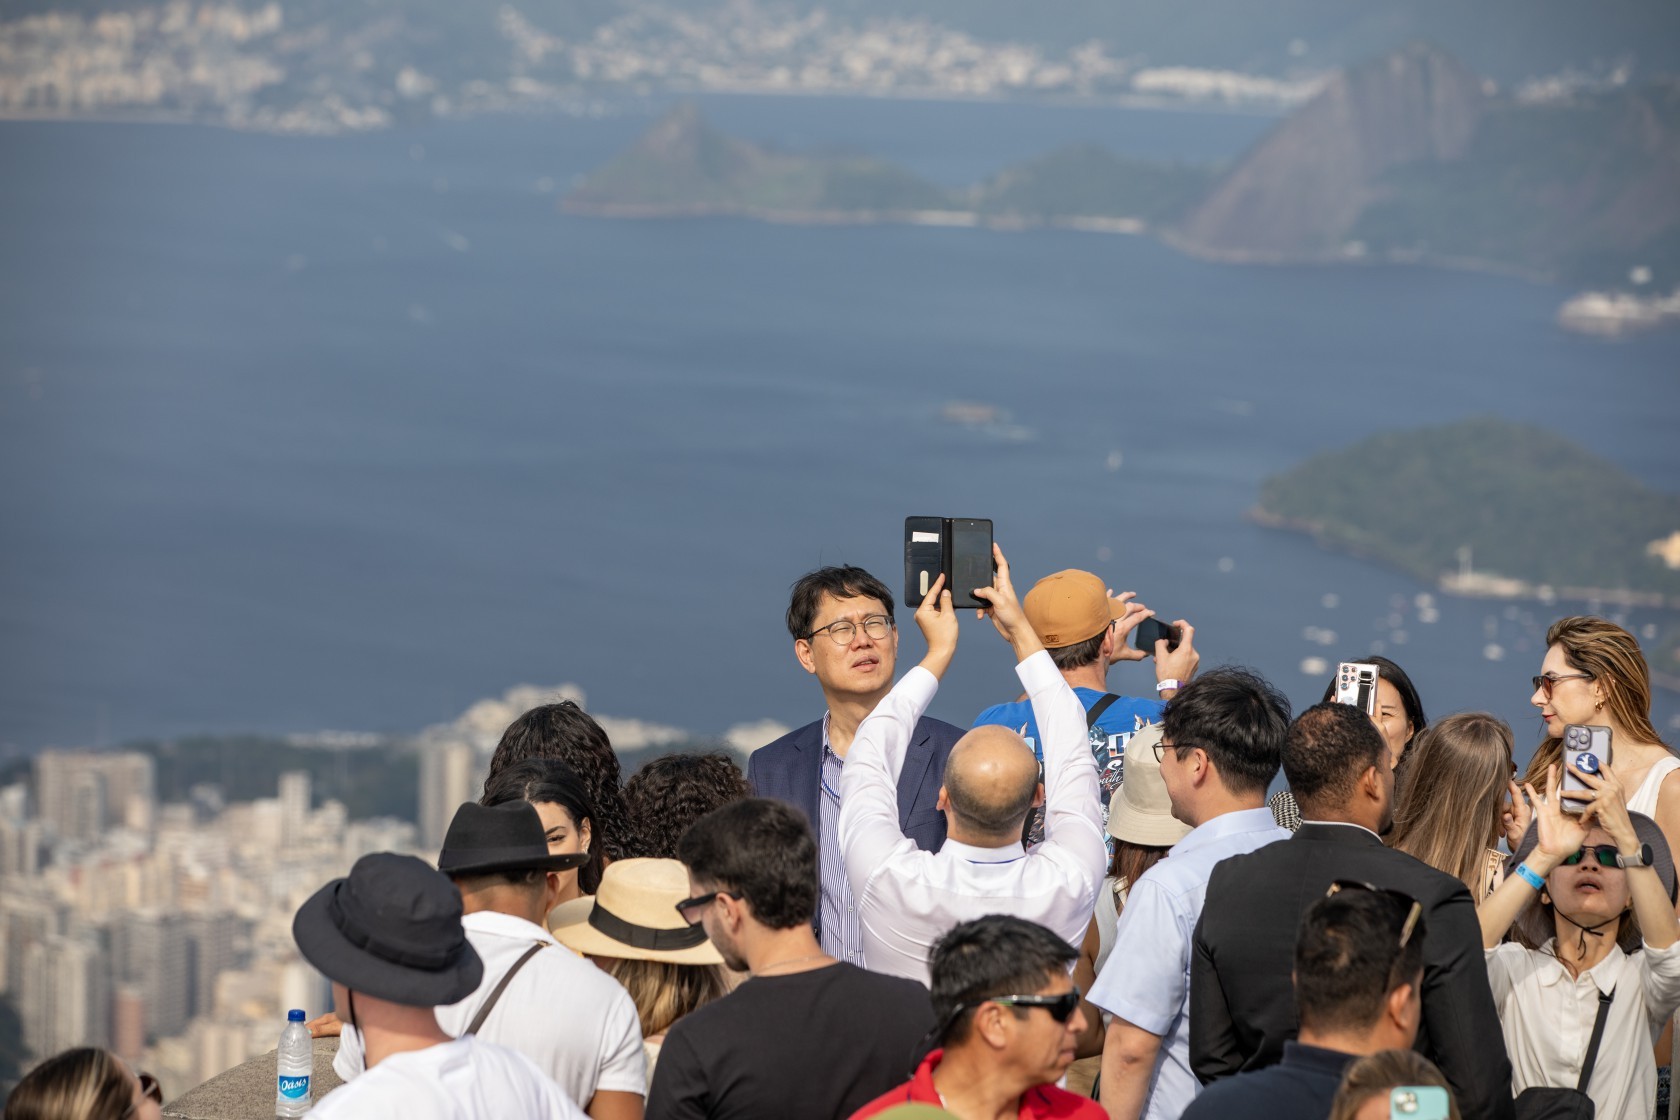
[907, 899]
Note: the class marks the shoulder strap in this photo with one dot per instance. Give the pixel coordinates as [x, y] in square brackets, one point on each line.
[1604, 999]
[501, 986]
[1097, 709]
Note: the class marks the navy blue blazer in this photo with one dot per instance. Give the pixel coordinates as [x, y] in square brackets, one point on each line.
[790, 769]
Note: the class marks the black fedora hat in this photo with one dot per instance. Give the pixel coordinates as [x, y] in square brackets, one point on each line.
[505, 837]
[392, 929]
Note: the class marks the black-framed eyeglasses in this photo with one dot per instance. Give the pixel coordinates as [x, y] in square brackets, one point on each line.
[1605, 854]
[1544, 683]
[1413, 913]
[1162, 747]
[690, 908]
[842, 633]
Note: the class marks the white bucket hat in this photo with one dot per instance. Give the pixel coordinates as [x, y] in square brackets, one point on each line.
[1140, 812]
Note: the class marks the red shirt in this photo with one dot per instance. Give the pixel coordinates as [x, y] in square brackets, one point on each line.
[1041, 1102]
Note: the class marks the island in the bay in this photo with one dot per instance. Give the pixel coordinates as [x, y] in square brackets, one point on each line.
[1492, 508]
[1408, 158]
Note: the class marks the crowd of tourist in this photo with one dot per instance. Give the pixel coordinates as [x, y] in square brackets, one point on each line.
[1083, 906]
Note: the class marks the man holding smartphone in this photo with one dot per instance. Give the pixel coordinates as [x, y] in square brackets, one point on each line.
[1085, 632]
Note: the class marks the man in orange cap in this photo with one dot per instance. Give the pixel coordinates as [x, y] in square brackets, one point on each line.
[1085, 630]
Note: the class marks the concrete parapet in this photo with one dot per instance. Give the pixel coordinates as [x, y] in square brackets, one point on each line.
[246, 1092]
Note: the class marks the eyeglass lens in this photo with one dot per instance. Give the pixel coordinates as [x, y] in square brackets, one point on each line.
[1605, 854]
[876, 626]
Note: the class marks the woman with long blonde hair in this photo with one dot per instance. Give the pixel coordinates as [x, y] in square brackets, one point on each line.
[1457, 803]
[85, 1084]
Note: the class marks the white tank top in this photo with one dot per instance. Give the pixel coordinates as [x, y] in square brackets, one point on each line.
[1644, 799]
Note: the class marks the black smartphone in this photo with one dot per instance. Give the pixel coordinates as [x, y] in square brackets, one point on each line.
[960, 548]
[1152, 630]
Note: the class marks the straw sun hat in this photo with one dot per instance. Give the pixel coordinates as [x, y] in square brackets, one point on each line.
[634, 916]
[1140, 811]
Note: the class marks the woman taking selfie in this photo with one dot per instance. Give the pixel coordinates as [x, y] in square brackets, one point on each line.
[1593, 887]
[1399, 715]
[1461, 801]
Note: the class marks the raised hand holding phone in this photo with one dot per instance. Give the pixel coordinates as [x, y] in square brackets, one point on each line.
[1004, 609]
[937, 620]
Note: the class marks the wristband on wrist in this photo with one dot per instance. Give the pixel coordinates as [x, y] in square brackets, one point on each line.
[1168, 685]
[1527, 875]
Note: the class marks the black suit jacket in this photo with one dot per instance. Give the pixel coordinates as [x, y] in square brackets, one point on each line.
[790, 769]
[1242, 1001]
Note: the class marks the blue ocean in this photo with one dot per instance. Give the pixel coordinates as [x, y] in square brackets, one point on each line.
[306, 433]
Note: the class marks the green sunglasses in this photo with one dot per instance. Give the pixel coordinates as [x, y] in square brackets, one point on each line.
[1604, 853]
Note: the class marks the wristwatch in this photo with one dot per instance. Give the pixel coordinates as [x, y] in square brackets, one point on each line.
[1168, 685]
[1646, 858]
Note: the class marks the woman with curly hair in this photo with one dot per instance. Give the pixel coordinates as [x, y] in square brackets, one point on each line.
[669, 794]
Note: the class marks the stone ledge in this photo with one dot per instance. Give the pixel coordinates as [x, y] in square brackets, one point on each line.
[246, 1092]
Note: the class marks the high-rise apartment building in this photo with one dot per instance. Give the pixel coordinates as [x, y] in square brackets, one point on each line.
[294, 807]
[65, 995]
[25, 920]
[80, 794]
[450, 773]
[153, 952]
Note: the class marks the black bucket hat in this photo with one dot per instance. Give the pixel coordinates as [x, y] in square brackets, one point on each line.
[506, 837]
[391, 929]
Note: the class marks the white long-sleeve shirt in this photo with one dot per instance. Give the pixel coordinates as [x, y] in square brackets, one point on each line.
[907, 898]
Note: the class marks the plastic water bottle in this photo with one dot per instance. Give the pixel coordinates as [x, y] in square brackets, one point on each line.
[296, 1062]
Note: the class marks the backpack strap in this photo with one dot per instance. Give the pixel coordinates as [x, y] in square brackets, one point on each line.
[501, 986]
[1604, 999]
[1097, 709]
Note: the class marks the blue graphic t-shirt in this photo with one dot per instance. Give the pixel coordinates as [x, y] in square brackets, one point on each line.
[1114, 727]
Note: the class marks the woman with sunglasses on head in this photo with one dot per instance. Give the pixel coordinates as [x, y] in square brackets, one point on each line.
[1591, 893]
[85, 1084]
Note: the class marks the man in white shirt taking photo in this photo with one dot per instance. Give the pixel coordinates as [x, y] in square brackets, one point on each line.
[908, 898]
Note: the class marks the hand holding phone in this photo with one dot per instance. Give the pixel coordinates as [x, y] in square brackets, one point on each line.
[1152, 630]
[959, 548]
[1587, 749]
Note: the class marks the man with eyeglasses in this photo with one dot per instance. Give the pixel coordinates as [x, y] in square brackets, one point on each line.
[1084, 630]
[1242, 1009]
[1006, 1022]
[807, 1036]
[841, 620]
[1358, 976]
[1220, 741]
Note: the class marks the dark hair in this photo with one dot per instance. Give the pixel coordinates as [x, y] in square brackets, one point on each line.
[998, 955]
[80, 1084]
[551, 782]
[565, 731]
[845, 582]
[1348, 958]
[1409, 700]
[1239, 718]
[1328, 747]
[762, 850]
[1079, 654]
[527, 879]
[667, 795]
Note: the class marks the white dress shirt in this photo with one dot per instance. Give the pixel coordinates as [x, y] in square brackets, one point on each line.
[463, 1079]
[1146, 980]
[573, 1020]
[907, 898]
[1548, 1020]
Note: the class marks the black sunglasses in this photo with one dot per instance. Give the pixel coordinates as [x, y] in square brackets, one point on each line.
[690, 908]
[1605, 854]
[1413, 913]
[149, 1088]
[1061, 1008]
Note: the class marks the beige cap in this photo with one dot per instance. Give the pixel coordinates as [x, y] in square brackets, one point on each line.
[634, 916]
[1070, 607]
[1140, 812]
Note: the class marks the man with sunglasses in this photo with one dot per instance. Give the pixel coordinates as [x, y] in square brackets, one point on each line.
[1358, 972]
[807, 1036]
[1007, 1020]
[1242, 1006]
[841, 620]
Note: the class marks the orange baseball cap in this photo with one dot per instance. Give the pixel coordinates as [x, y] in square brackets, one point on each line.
[1070, 607]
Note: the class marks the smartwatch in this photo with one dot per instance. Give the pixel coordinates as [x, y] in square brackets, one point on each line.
[1646, 858]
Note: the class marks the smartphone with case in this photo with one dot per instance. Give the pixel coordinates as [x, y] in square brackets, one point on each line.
[1587, 748]
[1152, 630]
[1356, 684]
[1418, 1102]
[960, 548]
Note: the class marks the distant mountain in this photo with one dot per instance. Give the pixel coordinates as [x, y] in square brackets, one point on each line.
[1409, 157]
[1086, 181]
[682, 165]
[1532, 507]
